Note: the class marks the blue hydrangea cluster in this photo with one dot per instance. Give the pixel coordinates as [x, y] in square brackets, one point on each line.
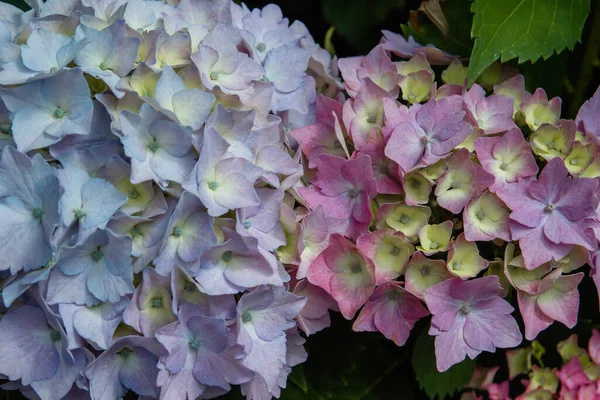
[145, 161]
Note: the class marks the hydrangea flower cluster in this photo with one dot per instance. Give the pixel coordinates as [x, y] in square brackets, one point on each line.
[185, 187]
[452, 197]
[578, 378]
[145, 174]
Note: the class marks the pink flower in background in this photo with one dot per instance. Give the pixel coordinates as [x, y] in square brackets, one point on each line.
[572, 376]
[499, 391]
[469, 317]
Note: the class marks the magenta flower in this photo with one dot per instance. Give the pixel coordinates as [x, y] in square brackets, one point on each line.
[499, 391]
[417, 188]
[422, 273]
[386, 172]
[314, 316]
[315, 231]
[392, 311]
[595, 271]
[594, 346]
[397, 44]
[486, 218]
[538, 110]
[343, 272]
[389, 251]
[377, 66]
[436, 128]
[363, 115]
[588, 117]
[394, 113]
[344, 188]
[325, 136]
[462, 181]
[551, 214]
[469, 317]
[492, 114]
[572, 377]
[508, 158]
[554, 299]
[515, 89]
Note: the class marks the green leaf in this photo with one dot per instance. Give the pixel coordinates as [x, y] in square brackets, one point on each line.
[434, 383]
[298, 377]
[523, 29]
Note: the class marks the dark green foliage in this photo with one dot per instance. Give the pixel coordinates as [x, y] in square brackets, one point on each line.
[346, 365]
[358, 20]
[343, 364]
[18, 3]
[458, 42]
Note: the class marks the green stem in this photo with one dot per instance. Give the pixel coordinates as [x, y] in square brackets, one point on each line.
[590, 58]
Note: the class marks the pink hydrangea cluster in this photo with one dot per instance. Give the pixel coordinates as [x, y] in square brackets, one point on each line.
[145, 169]
[425, 196]
[578, 378]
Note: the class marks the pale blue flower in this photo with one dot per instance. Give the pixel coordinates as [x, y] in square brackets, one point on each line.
[89, 201]
[160, 149]
[43, 112]
[29, 193]
[96, 270]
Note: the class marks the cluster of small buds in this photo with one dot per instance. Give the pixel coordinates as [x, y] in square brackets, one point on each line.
[144, 167]
[578, 378]
[442, 198]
